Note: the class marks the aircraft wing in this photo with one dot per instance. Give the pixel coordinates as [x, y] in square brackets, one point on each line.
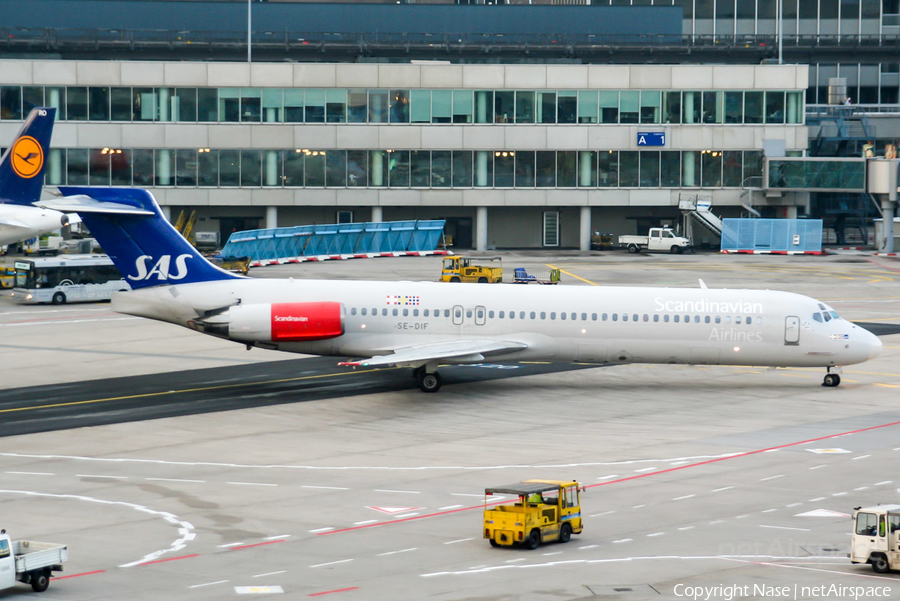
[464, 351]
[81, 203]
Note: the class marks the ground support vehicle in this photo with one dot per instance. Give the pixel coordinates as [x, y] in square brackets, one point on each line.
[521, 276]
[46, 244]
[602, 241]
[876, 537]
[659, 239]
[546, 511]
[468, 269]
[233, 264]
[7, 277]
[30, 562]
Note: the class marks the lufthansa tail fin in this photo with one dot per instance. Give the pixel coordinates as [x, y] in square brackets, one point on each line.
[132, 230]
[22, 167]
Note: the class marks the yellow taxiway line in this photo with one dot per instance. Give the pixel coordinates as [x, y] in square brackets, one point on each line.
[187, 390]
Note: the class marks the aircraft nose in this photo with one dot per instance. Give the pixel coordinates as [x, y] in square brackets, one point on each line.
[874, 345]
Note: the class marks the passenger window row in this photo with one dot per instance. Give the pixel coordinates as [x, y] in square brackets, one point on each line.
[573, 316]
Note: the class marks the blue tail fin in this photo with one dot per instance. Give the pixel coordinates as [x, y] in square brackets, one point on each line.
[22, 167]
[144, 246]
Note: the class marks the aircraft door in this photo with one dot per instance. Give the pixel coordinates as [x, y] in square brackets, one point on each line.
[457, 315]
[894, 528]
[791, 330]
[480, 314]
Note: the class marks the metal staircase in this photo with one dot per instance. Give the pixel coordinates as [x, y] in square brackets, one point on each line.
[842, 131]
[699, 210]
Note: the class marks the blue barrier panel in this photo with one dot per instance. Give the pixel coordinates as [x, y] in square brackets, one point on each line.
[772, 235]
[335, 239]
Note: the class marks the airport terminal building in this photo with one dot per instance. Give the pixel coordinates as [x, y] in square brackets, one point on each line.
[516, 145]
[511, 155]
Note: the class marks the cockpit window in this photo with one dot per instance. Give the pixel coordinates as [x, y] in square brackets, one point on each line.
[817, 317]
[826, 316]
[835, 315]
[821, 306]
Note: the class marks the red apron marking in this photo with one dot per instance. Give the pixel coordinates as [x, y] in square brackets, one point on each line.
[147, 563]
[77, 575]
[340, 590]
[646, 475]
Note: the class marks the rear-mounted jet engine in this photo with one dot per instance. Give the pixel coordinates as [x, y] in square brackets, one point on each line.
[280, 322]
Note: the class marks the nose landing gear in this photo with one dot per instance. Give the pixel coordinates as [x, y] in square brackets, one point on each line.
[831, 379]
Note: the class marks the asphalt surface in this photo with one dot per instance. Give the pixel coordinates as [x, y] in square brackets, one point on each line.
[283, 474]
[136, 398]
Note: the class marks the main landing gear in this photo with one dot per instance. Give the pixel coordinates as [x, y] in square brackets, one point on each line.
[831, 379]
[427, 377]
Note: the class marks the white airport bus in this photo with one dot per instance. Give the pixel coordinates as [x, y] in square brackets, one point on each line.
[66, 279]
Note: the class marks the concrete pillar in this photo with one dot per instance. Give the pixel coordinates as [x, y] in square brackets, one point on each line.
[163, 168]
[271, 218]
[689, 167]
[888, 210]
[377, 215]
[167, 212]
[793, 111]
[584, 168]
[164, 104]
[272, 168]
[53, 100]
[790, 212]
[54, 167]
[481, 228]
[688, 108]
[584, 238]
[377, 107]
[377, 175]
[481, 167]
[481, 107]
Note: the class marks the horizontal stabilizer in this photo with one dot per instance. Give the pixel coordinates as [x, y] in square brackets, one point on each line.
[130, 227]
[466, 350]
[81, 203]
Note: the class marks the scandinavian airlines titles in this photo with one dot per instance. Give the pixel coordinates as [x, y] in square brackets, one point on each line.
[708, 306]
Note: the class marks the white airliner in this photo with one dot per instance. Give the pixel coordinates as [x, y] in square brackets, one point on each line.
[22, 179]
[424, 324]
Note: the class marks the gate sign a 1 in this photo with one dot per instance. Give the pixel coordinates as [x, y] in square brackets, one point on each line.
[651, 138]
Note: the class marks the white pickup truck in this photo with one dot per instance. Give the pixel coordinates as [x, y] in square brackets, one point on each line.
[660, 239]
[30, 562]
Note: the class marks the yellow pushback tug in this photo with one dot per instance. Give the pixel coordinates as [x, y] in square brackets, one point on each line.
[546, 511]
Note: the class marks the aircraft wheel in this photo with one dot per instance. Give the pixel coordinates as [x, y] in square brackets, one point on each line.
[429, 382]
[831, 380]
[534, 539]
[59, 299]
[880, 564]
[565, 532]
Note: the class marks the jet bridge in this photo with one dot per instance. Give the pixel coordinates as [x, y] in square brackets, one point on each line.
[336, 241]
